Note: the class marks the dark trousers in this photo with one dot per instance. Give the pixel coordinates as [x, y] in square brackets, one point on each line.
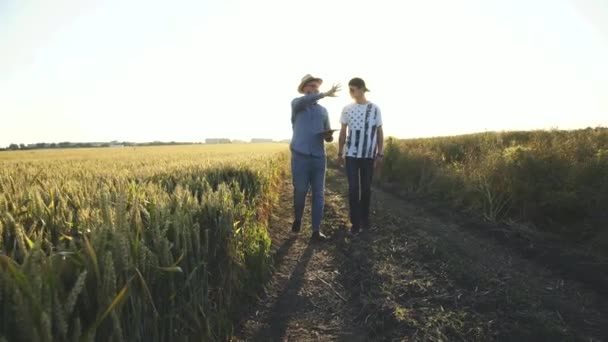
[359, 172]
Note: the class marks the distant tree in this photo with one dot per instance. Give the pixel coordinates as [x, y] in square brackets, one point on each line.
[22, 146]
[13, 147]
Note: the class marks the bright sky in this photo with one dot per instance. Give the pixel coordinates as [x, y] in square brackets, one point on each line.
[83, 70]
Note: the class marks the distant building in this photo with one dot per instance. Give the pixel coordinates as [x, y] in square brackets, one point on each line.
[259, 141]
[217, 141]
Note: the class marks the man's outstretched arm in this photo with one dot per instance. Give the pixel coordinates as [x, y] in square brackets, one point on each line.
[302, 102]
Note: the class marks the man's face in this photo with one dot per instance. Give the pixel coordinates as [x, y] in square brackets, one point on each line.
[355, 92]
[311, 87]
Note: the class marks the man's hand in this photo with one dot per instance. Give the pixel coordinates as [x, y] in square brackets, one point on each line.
[334, 89]
[340, 160]
[329, 137]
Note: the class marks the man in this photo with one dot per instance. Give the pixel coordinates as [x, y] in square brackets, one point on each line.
[364, 150]
[311, 127]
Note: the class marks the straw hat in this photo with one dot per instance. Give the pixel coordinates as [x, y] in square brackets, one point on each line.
[307, 78]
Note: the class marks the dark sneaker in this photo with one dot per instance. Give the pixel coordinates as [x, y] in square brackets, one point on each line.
[318, 236]
[366, 226]
[295, 227]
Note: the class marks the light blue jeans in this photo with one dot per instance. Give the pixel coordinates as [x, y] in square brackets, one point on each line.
[308, 172]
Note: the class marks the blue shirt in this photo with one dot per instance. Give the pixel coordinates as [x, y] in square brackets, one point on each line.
[309, 119]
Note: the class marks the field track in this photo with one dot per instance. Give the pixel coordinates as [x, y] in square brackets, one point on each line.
[415, 277]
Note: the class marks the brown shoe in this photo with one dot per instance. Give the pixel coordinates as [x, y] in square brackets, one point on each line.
[295, 227]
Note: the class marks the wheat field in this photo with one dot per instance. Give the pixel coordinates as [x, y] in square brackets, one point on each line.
[554, 180]
[133, 244]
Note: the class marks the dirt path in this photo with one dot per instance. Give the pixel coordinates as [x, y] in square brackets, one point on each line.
[304, 301]
[414, 277]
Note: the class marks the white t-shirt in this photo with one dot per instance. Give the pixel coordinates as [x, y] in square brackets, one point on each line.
[363, 121]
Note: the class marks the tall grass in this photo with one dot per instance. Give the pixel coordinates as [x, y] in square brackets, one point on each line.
[149, 244]
[557, 180]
